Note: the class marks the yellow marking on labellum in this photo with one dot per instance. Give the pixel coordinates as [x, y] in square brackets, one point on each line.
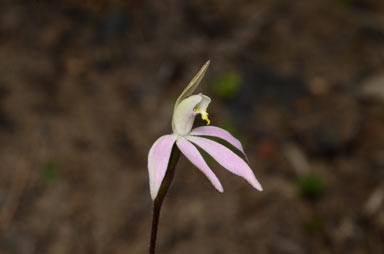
[204, 115]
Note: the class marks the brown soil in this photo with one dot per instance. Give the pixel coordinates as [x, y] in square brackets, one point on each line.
[87, 86]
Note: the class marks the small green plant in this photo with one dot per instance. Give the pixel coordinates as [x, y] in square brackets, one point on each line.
[50, 171]
[311, 185]
[227, 85]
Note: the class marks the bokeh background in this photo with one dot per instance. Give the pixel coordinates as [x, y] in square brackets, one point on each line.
[86, 87]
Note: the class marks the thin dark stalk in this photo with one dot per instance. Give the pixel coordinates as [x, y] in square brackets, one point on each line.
[157, 203]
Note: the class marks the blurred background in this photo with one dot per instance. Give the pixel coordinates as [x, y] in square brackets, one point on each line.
[87, 86]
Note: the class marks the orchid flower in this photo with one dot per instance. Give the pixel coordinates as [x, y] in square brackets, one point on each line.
[186, 108]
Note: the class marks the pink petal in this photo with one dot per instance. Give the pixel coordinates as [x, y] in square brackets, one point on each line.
[158, 159]
[227, 159]
[194, 156]
[220, 133]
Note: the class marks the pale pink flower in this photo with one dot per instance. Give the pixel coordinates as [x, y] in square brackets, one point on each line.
[186, 108]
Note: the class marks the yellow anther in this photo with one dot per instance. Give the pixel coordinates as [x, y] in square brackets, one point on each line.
[204, 115]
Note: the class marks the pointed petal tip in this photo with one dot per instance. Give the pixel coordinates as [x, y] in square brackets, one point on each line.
[153, 195]
[219, 188]
[255, 183]
[258, 186]
[153, 191]
[228, 159]
[194, 156]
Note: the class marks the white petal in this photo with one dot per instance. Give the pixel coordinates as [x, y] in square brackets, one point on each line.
[204, 103]
[226, 158]
[214, 131]
[184, 114]
[194, 156]
[158, 159]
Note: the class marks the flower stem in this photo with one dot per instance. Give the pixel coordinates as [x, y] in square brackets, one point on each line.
[157, 203]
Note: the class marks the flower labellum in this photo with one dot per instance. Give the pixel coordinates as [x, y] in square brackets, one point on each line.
[187, 107]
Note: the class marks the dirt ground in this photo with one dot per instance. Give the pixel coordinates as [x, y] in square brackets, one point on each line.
[86, 87]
